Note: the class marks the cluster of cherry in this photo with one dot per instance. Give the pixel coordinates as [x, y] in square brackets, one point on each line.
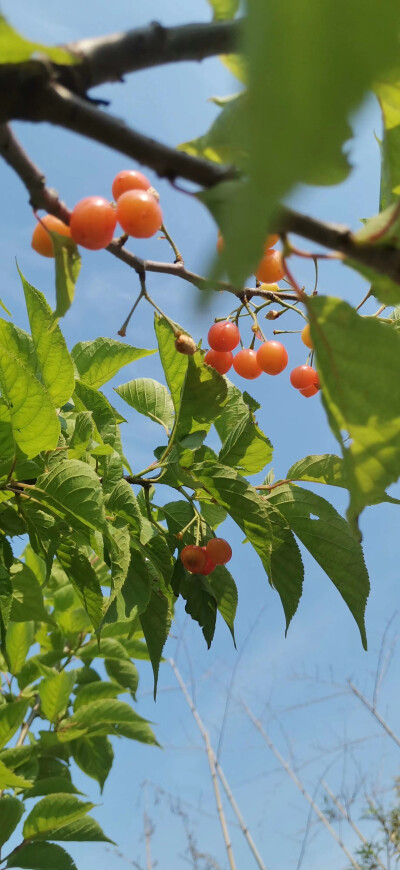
[94, 219]
[203, 560]
[271, 357]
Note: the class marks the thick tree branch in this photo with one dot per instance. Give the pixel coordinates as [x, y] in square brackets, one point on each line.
[384, 259]
[108, 58]
[60, 106]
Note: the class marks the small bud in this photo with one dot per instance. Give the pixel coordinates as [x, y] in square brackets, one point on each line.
[185, 344]
[179, 536]
[269, 288]
[272, 315]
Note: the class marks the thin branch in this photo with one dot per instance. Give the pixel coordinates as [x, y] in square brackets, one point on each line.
[216, 767]
[26, 725]
[374, 712]
[343, 812]
[300, 786]
[211, 762]
[108, 58]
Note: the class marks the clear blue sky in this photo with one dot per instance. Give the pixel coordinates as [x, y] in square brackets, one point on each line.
[172, 105]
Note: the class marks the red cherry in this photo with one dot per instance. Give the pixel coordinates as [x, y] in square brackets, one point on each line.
[309, 391]
[270, 267]
[302, 377]
[219, 550]
[129, 179]
[92, 223]
[139, 214]
[223, 336]
[221, 361]
[245, 364]
[209, 564]
[272, 356]
[193, 558]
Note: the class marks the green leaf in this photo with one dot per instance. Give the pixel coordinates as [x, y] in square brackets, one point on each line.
[55, 692]
[388, 93]
[34, 422]
[19, 640]
[149, 398]
[27, 600]
[124, 673]
[174, 364]
[358, 395]
[106, 717]
[224, 588]
[74, 487]
[382, 287]
[123, 502]
[97, 691]
[11, 811]
[84, 579]
[9, 779]
[82, 435]
[11, 717]
[201, 603]
[5, 606]
[267, 531]
[16, 49]
[244, 445]
[203, 396]
[106, 648]
[156, 623]
[329, 539]
[224, 8]
[55, 362]
[213, 514]
[42, 856]
[51, 813]
[94, 756]
[68, 266]
[99, 360]
[52, 785]
[81, 831]
[86, 398]
[327, 468]
[227, 139]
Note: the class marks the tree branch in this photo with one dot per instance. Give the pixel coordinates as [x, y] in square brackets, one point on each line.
[60, 106]
[108, 58]
[384, 259]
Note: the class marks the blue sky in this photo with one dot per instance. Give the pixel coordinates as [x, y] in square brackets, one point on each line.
[172, 104]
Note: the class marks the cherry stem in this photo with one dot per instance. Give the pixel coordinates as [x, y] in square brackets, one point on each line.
[255, 321]
[367, 295]
[122, 330]
[178, 255]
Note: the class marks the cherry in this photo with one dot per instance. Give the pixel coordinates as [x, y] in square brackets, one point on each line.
[272, 356]
[129, 179]
[93, 222]
[41, 239]
[209, 564]
[219, 360]
[194, 558]
[220, 243]
[310, 391]
[270, 242]
[303, 377]
[270, 268]
[219, 551]
[245, 364]
[223, 336]
[139, 214]
[306, 336]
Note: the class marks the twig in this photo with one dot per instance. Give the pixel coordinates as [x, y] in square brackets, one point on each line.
[345, 815]
[211, 762]
[300, 786]
[374, 712]
[382, 667]
[26, 725]
[216, 768]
